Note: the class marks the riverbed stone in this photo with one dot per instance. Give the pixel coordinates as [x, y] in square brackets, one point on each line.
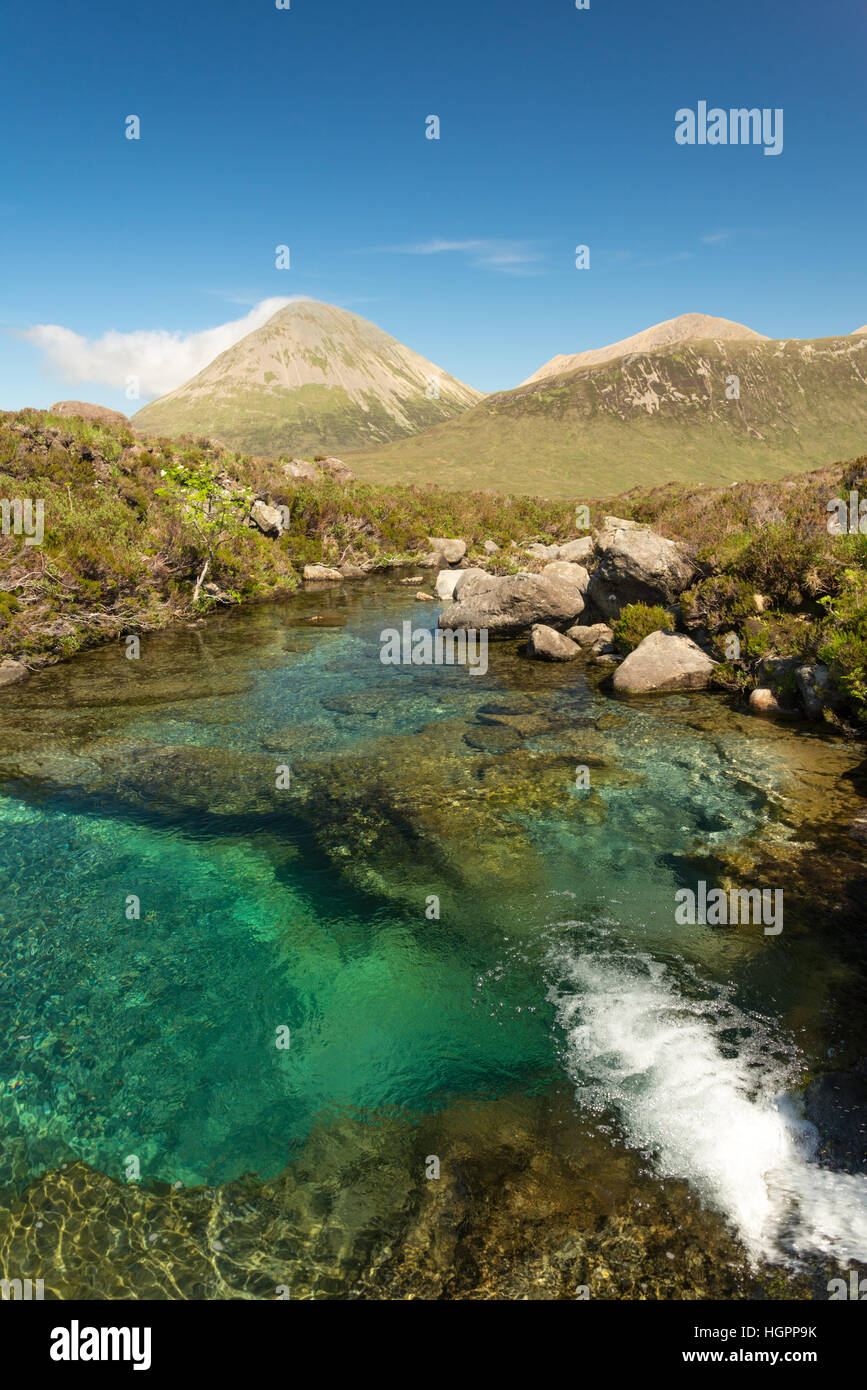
[664, 661]
[322, 572]
[764, 701]
[595, 635]
[13, 671]
[511, 604]
[547, 644]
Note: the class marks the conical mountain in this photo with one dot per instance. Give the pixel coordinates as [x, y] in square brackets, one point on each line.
[312, 379]
[683, 329]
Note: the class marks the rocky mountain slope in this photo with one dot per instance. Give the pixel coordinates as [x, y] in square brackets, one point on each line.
[715, 410]
[683, 329]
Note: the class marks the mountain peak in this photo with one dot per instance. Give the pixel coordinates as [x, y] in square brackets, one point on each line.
[312, 378]
[661, 335]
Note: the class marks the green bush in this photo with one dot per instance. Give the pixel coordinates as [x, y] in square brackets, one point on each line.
[844, 644]
[637, 621]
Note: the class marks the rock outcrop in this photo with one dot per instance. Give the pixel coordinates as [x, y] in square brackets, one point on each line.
[336, 469]
[576, 551]
[301, 470]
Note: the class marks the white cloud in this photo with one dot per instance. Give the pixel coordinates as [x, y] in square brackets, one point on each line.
[509, 256]
[159, 359]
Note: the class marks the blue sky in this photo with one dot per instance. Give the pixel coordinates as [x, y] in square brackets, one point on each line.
[306, 127]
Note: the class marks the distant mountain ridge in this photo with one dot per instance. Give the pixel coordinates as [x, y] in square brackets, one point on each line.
[314, 378]
[682, 329]
[691, 411]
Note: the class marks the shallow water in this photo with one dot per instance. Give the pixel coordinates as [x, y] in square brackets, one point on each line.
[554, 982]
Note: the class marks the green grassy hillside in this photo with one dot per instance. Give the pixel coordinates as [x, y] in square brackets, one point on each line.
[649, 419]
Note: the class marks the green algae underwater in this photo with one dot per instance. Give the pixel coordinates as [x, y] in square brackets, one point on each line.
[611, 1101]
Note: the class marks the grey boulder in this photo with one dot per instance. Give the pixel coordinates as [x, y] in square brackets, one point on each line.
[13, 671]
[543, 552]
[547, 644]
[268, 519]
[321, 572]
[638, 566]
[513, 603]
[577, 550]
[452, 551]
[816, 691]
[664, 661]
[573, 574]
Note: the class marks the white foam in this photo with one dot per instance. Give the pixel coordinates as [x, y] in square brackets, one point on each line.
[724, 1123]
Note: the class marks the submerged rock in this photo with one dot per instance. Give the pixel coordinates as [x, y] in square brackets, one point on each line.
[664, 661]
[837, 1106]
[493, 738]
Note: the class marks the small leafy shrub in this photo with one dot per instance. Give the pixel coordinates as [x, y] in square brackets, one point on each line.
[844, 644]
[637, 621]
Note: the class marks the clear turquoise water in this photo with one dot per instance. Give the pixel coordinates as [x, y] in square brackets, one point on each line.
[155, 1038]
